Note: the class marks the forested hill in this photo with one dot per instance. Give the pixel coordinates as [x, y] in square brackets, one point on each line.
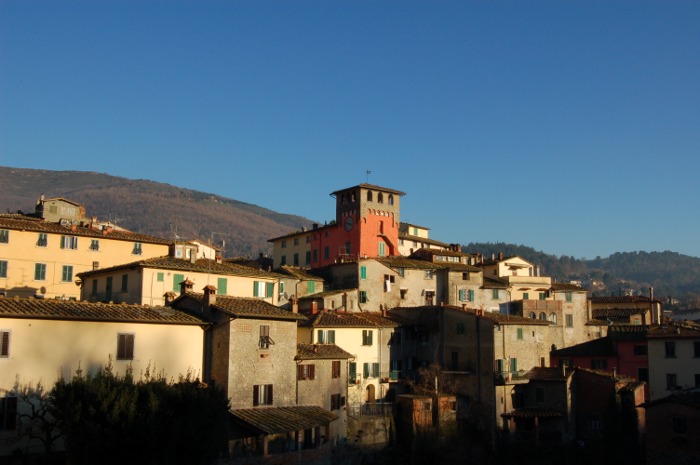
[153, 208]
[668, 273]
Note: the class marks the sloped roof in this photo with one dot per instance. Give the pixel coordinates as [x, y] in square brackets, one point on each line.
[29, 223]
[599, 313]
[424, 240]
[273, 420]
[533, 413]
[597, 347]
[243, 307]
[350, 320]
[54, 309]
[690, 398]
[673, 331]
[621, 299]
[299, 273]
[307, 351]
[403, 262]
[494, 283]
[567, 287]
[328, 293]
[201, 265]
[547, 374]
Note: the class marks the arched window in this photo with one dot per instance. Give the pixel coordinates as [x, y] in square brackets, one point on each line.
[553, 317]
[391, 199]
[369, 196]
[543, 316]
[380, 198]
[533, 316]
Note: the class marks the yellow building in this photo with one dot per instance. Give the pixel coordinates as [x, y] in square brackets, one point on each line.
[41, 258]
[149, 281]
[45, 340]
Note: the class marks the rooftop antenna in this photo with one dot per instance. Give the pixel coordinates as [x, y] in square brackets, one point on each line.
[368, 172]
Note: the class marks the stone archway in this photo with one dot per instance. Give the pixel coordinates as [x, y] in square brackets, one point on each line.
[370, 393]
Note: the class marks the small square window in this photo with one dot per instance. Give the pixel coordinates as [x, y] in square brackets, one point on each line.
[125, 346]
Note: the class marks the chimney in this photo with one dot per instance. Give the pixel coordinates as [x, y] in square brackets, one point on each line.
[314, 226]
[186, 286]
[314, 308]
[295, 305]
[500, 255]
[209, 295]
[169, 297]
[383, 310]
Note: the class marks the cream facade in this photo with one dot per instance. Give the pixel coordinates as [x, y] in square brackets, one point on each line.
[148, 281]
[46, 340]
[42, 259]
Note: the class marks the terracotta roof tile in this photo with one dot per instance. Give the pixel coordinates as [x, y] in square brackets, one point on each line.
[673, 331]
[626, 299]
[200, 266]
[328, 293]
[307, 351]
[271, 420]
[599, 313]
[299, 273]
[597, 347]
[533, 413]
[350, 320]
[567, 287]
[402, 262]
[250, 307]
[547, 374]
[54, 309]
[25, 223]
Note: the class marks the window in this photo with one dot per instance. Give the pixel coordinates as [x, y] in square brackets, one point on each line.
[177, 279]
[125, 282]
[599, 364]
[363, 297]
[95, 245]
[696, 348]
[137, 249]
[371, 370]
[352, 372]
[42, 240]
[369, 196]
[221, 286]
[94, 287]
[526, 295]
[533, 315]
[460, 328]
[347, 248]
[69, 242]
[4, 236]
[326, 336]
[539, 394]
[4, 344]
[363, 272]
[3, 268]
[429, 274]
[568, 296]
[308, 257]
[367, 337]
[67, 273]
[311, 286]
[108, 289]
[543, 316]
[335, 402]
[391, 199]
[697, 380]
[671, 380]
[262, 394]
[462, 295]
[40, 272]
[380, 197]
[295, 262]
[263, 289]
[8, 413]
[125, 346]
[454, 361]
[296, 241]
[513, 365]
[265, 339]
[520, 333]
[495, 294]
[283, 244]
[335, 369]
[315, 258]
[160, 277]
[283, 260]
[543, 295]
[643, 374]
[326, 252]
[569, 320]
[680, 425]
[306, 372]
[553, 317]
[381, 249]
[670, 349]
[640, 350]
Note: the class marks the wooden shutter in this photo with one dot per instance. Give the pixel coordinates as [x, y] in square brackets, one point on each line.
[5, 344]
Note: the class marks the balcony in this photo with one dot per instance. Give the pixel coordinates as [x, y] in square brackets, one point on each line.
[502, 378]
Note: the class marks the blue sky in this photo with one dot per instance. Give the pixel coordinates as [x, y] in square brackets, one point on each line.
[569, 126]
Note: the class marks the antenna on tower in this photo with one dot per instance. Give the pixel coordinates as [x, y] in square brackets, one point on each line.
[368, 173]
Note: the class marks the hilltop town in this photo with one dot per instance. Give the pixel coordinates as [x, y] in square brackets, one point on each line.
[357, 334]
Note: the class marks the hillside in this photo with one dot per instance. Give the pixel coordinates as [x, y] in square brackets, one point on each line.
[152, 208]
[670, 274]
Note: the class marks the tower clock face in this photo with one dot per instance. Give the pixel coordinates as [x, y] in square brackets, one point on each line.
[349, 222]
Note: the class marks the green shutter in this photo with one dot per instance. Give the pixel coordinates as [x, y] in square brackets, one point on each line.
[311, 286]
[160, 277]
[177, 279]
[513, 365]
[331, 336]
[255, 289]
[352, 371]
[319, 338]
[471, 295]
[221, 285]
[269, 289]
[363, 272]
[365, 370]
